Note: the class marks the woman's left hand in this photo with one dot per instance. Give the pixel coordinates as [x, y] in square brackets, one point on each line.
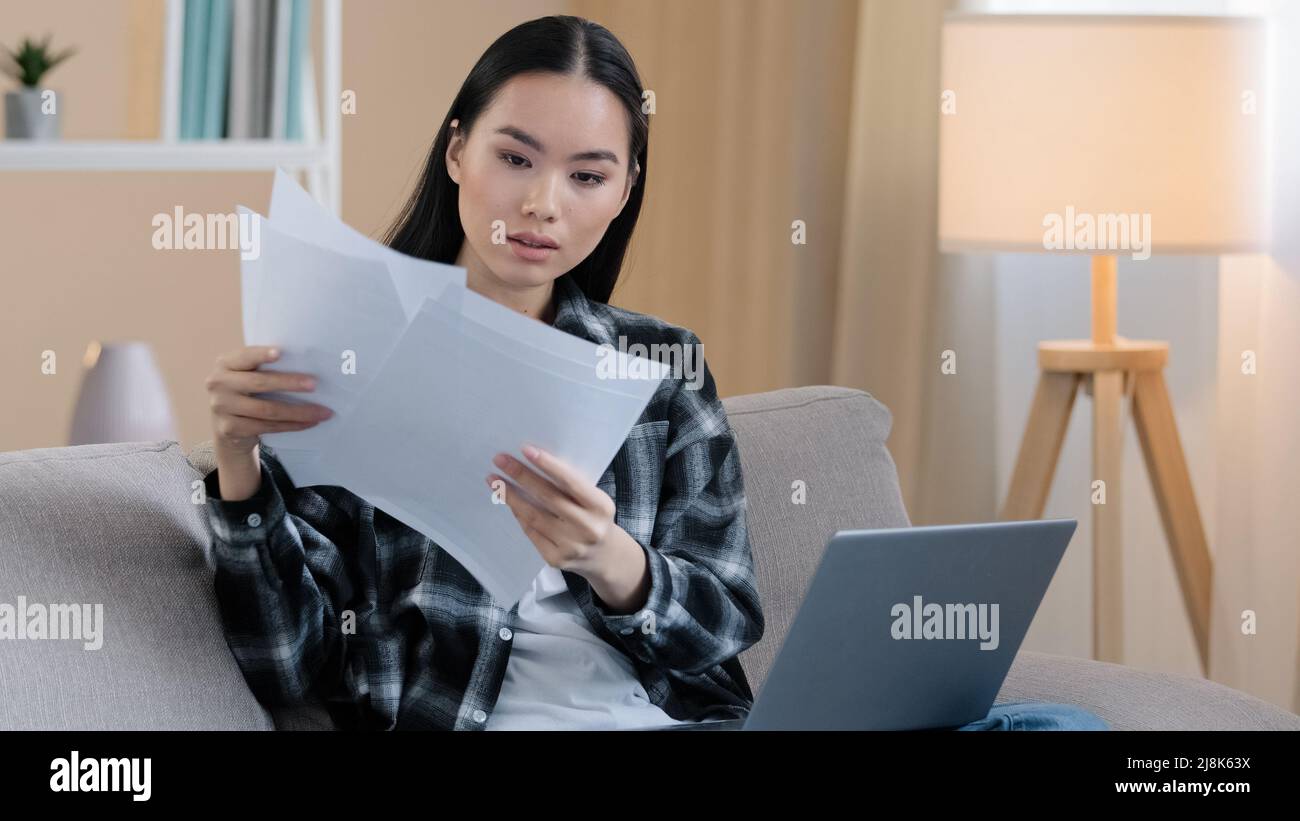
[572, 526]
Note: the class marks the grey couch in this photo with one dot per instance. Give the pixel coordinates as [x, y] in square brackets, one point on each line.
[120, 525]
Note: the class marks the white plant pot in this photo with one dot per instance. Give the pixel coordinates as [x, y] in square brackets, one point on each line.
[25, 118]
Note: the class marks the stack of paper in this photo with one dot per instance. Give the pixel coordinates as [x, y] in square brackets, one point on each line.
[428, 381]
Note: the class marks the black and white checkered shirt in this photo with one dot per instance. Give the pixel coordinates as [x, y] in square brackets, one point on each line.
[429, 646]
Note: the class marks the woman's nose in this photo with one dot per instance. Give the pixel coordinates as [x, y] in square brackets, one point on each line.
[543, 199]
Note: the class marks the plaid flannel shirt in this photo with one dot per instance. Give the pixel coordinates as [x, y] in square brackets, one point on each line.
[429, 646]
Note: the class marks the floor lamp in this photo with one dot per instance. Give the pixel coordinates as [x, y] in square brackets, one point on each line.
[1110, 137]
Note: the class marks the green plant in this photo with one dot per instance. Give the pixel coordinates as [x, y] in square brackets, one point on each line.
[32, 60]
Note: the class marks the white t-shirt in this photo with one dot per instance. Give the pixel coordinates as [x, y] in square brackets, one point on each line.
[562, 676]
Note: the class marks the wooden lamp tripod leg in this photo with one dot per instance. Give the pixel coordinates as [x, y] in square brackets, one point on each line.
[1107, 555]
[1049, 417]
[1158, 433]
[1031, 481]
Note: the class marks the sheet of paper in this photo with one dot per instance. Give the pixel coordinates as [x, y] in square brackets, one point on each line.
[521, 337]
[334, 316]
[527, 330]
[421, 445]
[295, 212]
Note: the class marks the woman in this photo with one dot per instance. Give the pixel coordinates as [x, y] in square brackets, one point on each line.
[648, 595]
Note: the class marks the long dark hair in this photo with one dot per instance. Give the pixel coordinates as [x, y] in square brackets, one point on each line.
[429, 225]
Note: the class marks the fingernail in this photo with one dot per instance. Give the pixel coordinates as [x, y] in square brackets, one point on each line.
[273, 353]
[530, 451]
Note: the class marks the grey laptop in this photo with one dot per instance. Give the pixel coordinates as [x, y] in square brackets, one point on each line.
[908, 628]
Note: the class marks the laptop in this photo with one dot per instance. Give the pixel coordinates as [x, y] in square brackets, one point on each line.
[907, 628]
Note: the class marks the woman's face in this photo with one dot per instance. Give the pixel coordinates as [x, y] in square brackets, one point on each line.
[549, 157]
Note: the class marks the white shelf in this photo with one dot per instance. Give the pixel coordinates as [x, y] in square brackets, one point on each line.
[319, 157]
[157, 155]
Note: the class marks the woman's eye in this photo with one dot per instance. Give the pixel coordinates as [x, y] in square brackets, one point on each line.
[587, 178]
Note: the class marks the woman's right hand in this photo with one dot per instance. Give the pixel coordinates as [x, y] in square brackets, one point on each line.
[238, 419]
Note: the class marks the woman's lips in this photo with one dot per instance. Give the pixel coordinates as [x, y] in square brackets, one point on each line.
[529, 253]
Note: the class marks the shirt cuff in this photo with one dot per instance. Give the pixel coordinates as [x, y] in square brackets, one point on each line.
[247, 521]
[640, 627]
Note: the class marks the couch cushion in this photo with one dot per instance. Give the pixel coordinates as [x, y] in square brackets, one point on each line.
[1132, 699]
[114, 525]
[832, 440]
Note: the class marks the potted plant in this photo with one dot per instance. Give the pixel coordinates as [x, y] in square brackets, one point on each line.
[32, 112]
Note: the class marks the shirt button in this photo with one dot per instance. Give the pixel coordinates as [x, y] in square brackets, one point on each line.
[505, 633]
[480, 716]
[627, 631]
[254, 520]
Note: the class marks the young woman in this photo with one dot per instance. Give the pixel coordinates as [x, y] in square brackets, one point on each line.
[648, 595]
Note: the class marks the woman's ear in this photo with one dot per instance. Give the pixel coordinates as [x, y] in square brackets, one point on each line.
[632, 180]
[455, 145]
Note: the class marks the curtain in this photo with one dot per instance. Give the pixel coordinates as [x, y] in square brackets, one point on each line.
[900, 304]
[748, 135]
[774, 115]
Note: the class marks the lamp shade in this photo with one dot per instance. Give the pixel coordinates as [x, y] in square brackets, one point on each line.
[123, 398]
[1050, 119]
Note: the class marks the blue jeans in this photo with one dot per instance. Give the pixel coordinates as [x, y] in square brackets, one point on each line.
[1035, 715]
[1019, 715]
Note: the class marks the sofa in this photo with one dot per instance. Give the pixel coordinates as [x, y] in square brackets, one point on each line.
[121, 525]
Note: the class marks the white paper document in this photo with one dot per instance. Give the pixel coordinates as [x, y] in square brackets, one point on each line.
[428, 381]
[335, 317]
[296, 213]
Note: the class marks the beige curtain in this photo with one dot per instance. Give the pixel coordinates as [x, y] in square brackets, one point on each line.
[900, 305]
[769, 112]
[749, 135]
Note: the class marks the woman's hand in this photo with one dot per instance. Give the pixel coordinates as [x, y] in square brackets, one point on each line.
[238, 418]
[572, 526]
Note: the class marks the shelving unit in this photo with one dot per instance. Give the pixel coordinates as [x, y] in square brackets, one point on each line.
[318, 157]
